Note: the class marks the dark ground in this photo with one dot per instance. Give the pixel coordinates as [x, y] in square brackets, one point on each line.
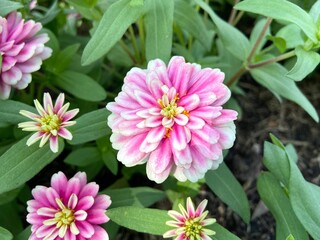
[263, 114]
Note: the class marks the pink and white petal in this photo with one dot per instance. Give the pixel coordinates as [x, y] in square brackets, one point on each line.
[73, 201]
[205, 135]
[80, 215]
[193, 175]
[223, 94]
[190, 208]
[118, 140]
[70, 114]
[59, 103]
[39, 107]
[14, 51]
[102, 201]
[183, 157]
[82, 176]
[158, 177]
[136, 76]
[72, 187]
[59, 182]
[227, 135]
[147, 147]
[5, 90]
[24, 82]
[195, 123]
[54, 144]
[216, 162]
[91, 189]
[206, 80]
[99, 234]
[45, 231]
[207, 113]
[145, 99]
[170, 234]
[86, 229]
[160, 68]
[201, 207]
[34, 218]
[167, 122]
[47, 102]
[32, 65]
[181, 77]
[12, 76]
[97, 216]
[47, 212]
[70, 236]
[7, 63]
[178, 138]
[39, 194]
[178, 216]
[65, 133]
[130, 114]
[190, 102]
[130, 155]
[45, 54]
[161, 158]
[154, 84]
[63, 110]
[153, 121]
[181, 119]
[52, 195]
[34, 138]
[179, 174]
[26, 53]
[226, 116]
[156, 134]
[68, 124]
[28, 114]
[33, 205]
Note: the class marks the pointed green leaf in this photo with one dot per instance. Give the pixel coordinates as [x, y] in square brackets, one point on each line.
[5, 234]
[81, 86]
[158, 23]
[282, 10]
[307, 61]
[292, 35]
[20, 163]
[191, 21]
[146, 220]
[223, 183]
[8, 6]
[273, 77]
[24, 235]
[83, 156]
[138, 197]
[234, 40]
[115, 21]
[278, 203]
[90, 126]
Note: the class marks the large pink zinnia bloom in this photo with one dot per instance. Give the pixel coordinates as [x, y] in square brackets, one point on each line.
[171, 117]
[22, 52]
[69, 210]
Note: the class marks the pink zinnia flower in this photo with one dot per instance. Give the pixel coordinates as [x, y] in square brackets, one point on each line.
[22, 52]
[50, 123]
[69, 210]
[172, 118]
[189, 224]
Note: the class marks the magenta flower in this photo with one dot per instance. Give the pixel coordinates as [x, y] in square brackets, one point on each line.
[22, 52]
[172, 118]
[190, 223]
[69, 210]
[50, 123]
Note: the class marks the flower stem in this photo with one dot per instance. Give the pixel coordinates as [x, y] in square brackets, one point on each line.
[134, 43]
[234, 78]
[272, 60]
[256, 44]
[233, 13]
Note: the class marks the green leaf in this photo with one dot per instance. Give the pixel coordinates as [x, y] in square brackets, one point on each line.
[273, 77]
[304, 198]
[258, 27]
[8, 6]
[307, 61]
[10, 112]
[83, 156]
[115, 21]
[146, 220]
[190, 20]
[138, 197]
[278, 203]
[81, 86]
[282, 10]
[9, 196]
[90, 126]
[221, 233]
[315, 11]
[24, 235]
[279, 42]
[10, 218]
[63, 59]
[292, 35]
[5, 234]
[158, 23]
[290, 237]
[234, 40]
[110, 160]
[223, 183]
[20, 163]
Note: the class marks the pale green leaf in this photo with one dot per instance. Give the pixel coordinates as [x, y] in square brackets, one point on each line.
[307, 61]
[273, 77]
[81, 86]
[282, 10]
[191, 21]
[20, 163]
[278, 203]
[304, 198]
[8, 6]
[221, 233]
[315, 11]
[115, 21]
[138, 197]
[146, 220]
[290, 237]
[90, 126]
[83, 156]
[10, 112]
[234, 40]
[223, 183]
[158, 23]
[5, 234]
[292, 35]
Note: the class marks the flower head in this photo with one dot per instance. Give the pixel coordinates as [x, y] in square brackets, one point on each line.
[189, 224]
[69, 209]
[50, 123]
[171, 117]
[22, 52]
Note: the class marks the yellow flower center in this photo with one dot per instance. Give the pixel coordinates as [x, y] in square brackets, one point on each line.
[50, 123]
[64, 217]
[170, 109]
[193, 228]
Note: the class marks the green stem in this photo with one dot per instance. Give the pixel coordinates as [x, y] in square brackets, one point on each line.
[259, 39]
[142, 38]
[127, 50]
[234, 78]
[273, 60]
[233, 13]
[134, 43]
[237, 19]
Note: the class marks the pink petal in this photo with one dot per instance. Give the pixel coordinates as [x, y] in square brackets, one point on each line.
[39, 194]
[47, 102]
[86, 229]
[14, 51]
[34, 218]
[63, 132]
[59, 103]
[59, 182]
[223, 94]
[99, 234]
[227, 135]
[73, 201]
[33, 205]
[24, 82]
[80, 215]
[156, 134]
[26, 53]
[178, 138]
[72, 187]
[189, 102]
[147, 147]
[145, 99]
[7, 63]
[70, 114]
[82, 176]
[160, 158]
[181, 119]
[195, 123]
[97, 216]
[190, 208]
[183, 157]
[12, 76]
[225, 117]
[47, 212]
[51, 195]
[154, 84]
[34, 138]
[32, 65]
[201, 207]
[102, 202]
[160, 68]
[91, 189]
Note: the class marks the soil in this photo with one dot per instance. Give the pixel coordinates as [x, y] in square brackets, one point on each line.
[263, 114]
